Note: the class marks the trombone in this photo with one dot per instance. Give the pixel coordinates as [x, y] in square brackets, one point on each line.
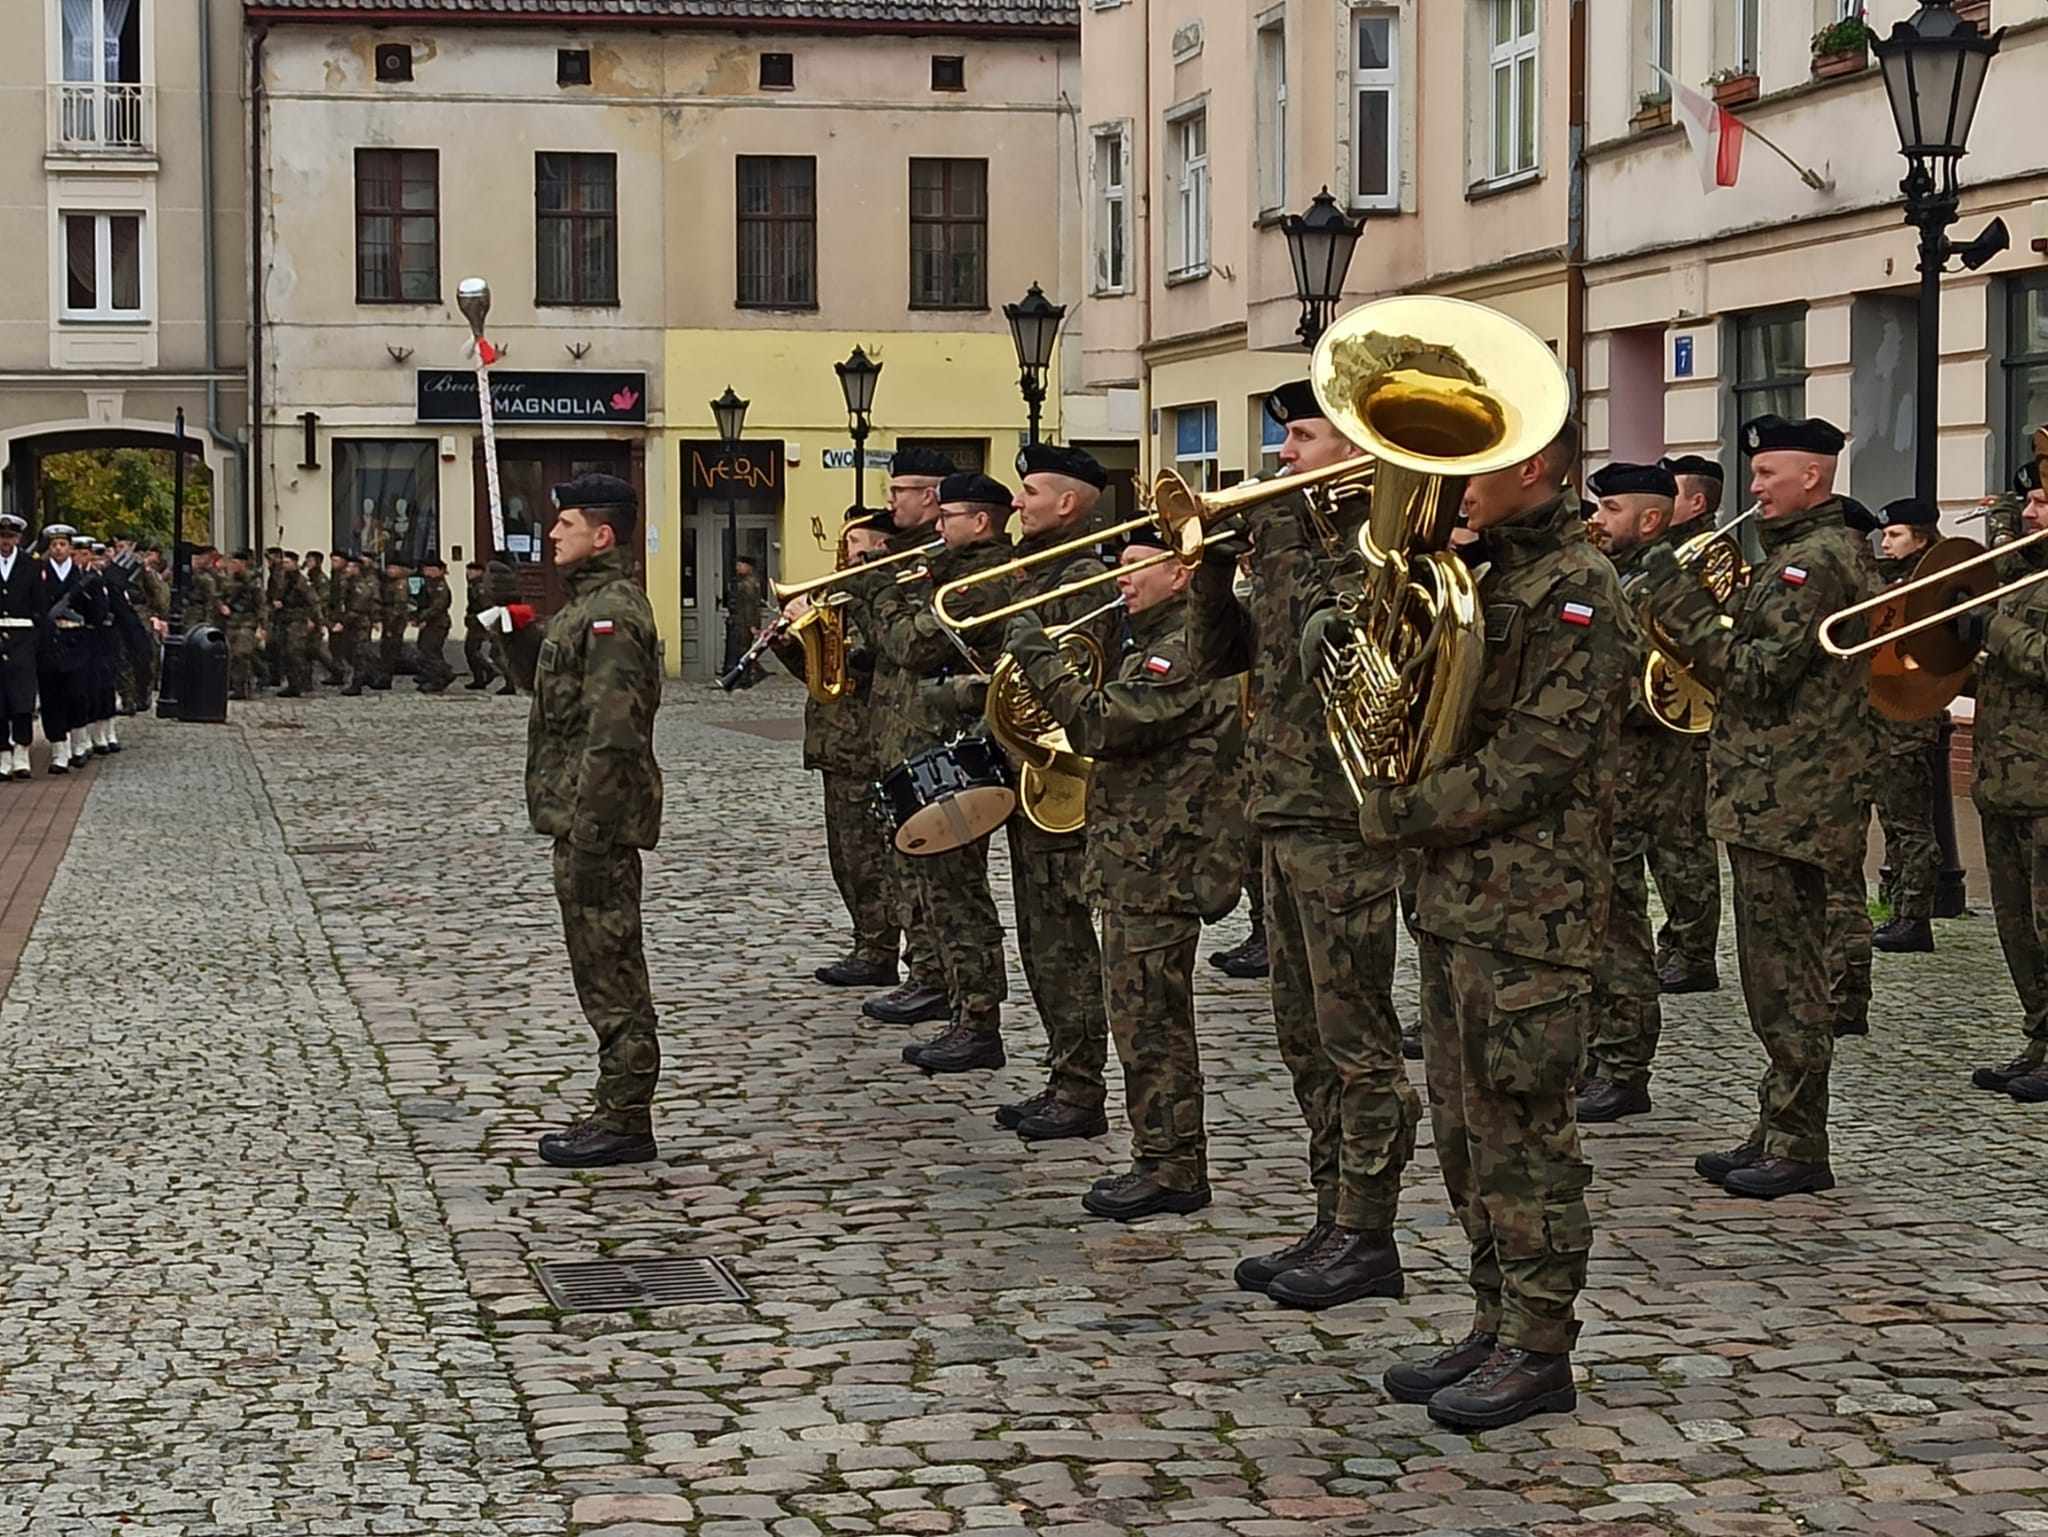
[1973, 594]
[784, 591]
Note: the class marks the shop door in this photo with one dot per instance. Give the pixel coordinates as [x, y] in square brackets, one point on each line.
[527, 472]
[708, 555]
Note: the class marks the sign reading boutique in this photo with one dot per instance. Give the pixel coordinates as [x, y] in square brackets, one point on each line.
[535, 395]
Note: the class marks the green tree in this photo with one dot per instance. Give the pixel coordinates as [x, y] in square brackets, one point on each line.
[108, 491]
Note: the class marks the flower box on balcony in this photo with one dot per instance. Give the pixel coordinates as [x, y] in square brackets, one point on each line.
[1736, 90]
[1649, 114]
[1842, 48]
[1845, 61]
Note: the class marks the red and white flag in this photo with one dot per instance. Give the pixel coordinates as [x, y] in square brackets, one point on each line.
[1715, 133]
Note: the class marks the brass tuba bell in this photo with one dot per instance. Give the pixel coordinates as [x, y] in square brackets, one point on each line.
[1052, 779]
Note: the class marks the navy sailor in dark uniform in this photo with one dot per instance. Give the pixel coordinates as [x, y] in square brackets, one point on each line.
[20, 593]
[66, 614]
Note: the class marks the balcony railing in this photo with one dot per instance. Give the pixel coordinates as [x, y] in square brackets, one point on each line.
[94, 118]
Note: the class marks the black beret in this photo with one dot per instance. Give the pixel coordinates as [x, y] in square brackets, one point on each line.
[434, 560]
[1695, 464]
[1622, 479]
[2027, 478]
[1294, 402]
[1149, 536]
[1909, 512]
[1858, 516]
[921, 461]
[1774, 434]
[978, 489]
[244, 555]
[595, 490]
[1052, 459]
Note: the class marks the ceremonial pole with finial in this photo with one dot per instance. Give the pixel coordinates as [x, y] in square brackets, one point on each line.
[473, 298]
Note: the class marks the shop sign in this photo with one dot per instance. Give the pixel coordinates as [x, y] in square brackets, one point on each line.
[520, 396]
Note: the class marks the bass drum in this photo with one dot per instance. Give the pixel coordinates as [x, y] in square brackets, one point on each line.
[947, 797]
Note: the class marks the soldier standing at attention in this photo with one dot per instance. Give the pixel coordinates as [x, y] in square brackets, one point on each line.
[1905, 786]
[1512, 891]
[593, 786]
[1164, 852]
[1634, 511]
[2010, 755]
[476, 640]
[839, 743]
[1791, 734]
[395, 612]
[1061, 490]
[1330, 901]
[435, 602]
[1684, 859]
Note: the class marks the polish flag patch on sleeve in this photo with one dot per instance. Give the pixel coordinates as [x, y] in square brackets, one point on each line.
[1158, 666]
[1580, 614]
[600, 627]
[1793, 576]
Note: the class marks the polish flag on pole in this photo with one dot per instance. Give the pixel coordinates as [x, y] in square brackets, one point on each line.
[1715, 133]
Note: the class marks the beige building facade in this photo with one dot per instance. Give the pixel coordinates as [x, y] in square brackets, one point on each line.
[1445, 126]
[663, 210]
[124, 238]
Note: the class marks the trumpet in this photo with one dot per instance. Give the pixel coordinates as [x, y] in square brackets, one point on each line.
[1678, 700]
[784, 591]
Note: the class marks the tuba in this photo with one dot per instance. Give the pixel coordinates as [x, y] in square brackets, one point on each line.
[1434, 390]
[1052, 779]
[1678, 700]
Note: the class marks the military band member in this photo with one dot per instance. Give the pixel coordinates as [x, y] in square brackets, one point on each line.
[2010, 753]
[915, 475]
[1791, 736]
[1905, 785]
[1330, 901]
[476, 640]
[592, 785]
[1684, 859]
[945, 698]
[1058, 500]
[65, 616]
[1634, 514]
[1164, 853]
[20, 600]
[840, 744]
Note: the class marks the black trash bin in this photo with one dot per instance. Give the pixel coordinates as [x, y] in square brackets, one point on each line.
[203, 675]
[170, 680]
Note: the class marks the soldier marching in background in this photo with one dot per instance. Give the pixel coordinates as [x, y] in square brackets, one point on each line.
[1905, 783]
[20, 613]
[365, 597]
[295, 613]
[325, 615]
[435, 603]
[243, 597]
[394, 612]
[501, 587]
[476, 640]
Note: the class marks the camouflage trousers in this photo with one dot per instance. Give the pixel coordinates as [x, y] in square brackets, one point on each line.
[390, 651]
[960, 915]
[327, 652]
[1849, 942]
[609, 963]
[295, 653]
[1062, 960]
[1148, 982]
[363, 657]
[1502, 1041]
[476, 653]
[1781, 929]
[1628, 1020]
[1255, 886]
[2016, 855]
[242, 649]
[857, 844]
[1684, 859]
[1330, 932]
[1912, 857]
[920, 950]
[434, 671]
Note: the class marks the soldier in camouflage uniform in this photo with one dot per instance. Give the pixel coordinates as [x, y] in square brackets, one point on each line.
[593, 786]
[476, 640]
[501, 586]
[915, 475]
[1330, 901]
[1634, 513]
[432, 617]
[1062, 488]
[271, 668]
[295, 614]
[150, 594]
[1684, 859]
[2010, 757]
[325, 615]
[203, 603]
[394, 614]
[243, 598]
[365, 604]
[839, 743]
[1164, 853]
[942, 699]
[1911, 748]
[1791, 732]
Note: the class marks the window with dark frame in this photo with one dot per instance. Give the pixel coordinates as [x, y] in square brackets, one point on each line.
[576, 228]
[949, 72]
[398, 226]
[777, 205]
[1770, 367]
[572, 66]
[778, 71]
[949, 234]
[2026, 371]
[394, 61]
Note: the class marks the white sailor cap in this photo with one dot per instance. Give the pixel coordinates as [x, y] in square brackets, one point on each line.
[11, 521]
[58, 531]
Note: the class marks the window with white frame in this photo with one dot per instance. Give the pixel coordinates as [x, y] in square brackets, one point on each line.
[1187, 137]
[1272, 114]
[1194, 445]
[1663, 34]
[1749, 35]
[1516, 102]
[101, 100]
[1112, 234]
[102, 266]
[1376, 109]
[1271, 436]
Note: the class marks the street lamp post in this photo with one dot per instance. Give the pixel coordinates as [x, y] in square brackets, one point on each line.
[1034, 327]
[730, 412]
[1320, 243]
[1934, 66]
[857, 376]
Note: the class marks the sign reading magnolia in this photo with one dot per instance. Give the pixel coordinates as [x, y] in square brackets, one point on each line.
[534, 395]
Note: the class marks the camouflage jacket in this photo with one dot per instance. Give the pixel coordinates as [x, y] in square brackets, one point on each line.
[1165, 831]
[839, 736]
[202, 599]
[932, 697]
[1515, 832]
[365, 594]
[294, 600]
[891, 687]
[590, 771]
[748, 601]
[435, 601]
[1646, 742]
[245, 600]
[150, 595]
[322, 585]
[501, 584]
[2010, 741]
[1792, 744]
[1904, 736]
[397, 603]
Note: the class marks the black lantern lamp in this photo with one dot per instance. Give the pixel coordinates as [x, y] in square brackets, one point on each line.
[1320, 243]
[857, 376]
[730, 412]
[1034, 327]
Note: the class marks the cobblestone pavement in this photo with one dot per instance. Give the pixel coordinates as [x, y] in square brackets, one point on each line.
[938, 1340]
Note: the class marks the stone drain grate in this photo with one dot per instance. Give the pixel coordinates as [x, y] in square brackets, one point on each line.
[612, 1285]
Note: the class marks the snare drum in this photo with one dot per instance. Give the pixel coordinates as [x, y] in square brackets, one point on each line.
[947, 797]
